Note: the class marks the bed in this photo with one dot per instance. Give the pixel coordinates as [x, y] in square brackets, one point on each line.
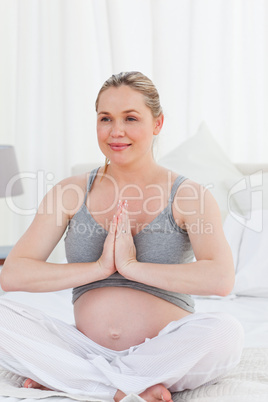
[242, 194]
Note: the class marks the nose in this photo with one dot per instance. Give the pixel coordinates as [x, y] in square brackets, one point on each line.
[117, 130]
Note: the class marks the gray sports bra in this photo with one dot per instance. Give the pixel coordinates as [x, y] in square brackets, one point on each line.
[162, 241]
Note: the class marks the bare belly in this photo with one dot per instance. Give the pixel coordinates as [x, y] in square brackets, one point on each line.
[118, 318]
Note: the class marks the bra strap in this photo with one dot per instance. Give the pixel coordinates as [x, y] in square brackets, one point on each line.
[175, 187]
[91, 179]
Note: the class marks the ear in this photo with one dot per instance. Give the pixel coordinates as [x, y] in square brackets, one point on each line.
[159, 121]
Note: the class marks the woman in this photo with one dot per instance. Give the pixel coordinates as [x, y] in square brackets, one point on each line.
[130, 248]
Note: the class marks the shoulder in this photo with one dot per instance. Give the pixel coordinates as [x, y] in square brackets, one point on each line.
[193, 201]
[67, 195]
[74, 182]
[164, 177]
[189, 189]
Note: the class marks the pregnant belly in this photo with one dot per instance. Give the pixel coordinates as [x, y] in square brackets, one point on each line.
[118, 318]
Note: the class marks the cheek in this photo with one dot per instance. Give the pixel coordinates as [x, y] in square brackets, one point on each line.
[101, 133]
[145, 134]
[101, 139]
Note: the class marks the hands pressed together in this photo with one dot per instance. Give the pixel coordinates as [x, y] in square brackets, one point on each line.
[119, 252]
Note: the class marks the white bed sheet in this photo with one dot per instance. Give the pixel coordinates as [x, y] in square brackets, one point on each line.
[251, 312]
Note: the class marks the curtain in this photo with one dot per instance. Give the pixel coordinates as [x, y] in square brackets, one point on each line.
[208, 59]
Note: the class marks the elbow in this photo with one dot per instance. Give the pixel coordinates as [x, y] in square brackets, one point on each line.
[8, 280]
[224, 291]
[3, 282]
[225, 284]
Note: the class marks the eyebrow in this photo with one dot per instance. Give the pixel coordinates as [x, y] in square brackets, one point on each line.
[130, 111]
[125, 111]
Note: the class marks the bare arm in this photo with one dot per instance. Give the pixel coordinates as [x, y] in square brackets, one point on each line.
[26, 268]
[212, 273]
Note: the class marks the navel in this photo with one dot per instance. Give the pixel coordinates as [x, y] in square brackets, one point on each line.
[115, 333]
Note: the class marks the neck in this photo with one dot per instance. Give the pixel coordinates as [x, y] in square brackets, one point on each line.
[138, 173]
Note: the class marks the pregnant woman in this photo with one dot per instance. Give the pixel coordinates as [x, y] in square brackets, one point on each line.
[130, 245]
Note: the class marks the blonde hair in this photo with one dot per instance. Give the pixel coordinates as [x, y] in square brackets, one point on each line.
[139, 82]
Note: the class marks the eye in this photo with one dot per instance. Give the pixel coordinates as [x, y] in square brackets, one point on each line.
[129, 118]
[105, 119]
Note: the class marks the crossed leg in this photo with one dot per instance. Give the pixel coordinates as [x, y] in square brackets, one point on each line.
[194, 350]
[153, 394]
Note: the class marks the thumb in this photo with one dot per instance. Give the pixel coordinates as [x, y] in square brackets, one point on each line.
[112, 228]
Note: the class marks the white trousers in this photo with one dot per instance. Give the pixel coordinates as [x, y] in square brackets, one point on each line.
[185, 354]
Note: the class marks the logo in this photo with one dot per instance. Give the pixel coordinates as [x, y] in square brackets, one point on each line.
[247, 194]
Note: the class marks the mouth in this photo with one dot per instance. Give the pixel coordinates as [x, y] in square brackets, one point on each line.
[119, 146]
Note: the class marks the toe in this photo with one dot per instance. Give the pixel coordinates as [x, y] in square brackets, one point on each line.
[28, 383]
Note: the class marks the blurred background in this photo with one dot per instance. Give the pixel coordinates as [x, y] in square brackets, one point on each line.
[208, 59]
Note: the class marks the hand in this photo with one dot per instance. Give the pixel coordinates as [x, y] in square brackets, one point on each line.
[107, 259]
[125, 250]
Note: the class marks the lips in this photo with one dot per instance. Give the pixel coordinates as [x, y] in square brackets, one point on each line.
[118, 146]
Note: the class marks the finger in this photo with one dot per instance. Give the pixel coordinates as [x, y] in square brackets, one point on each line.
[113, 225]
[119, 208]
[109, 244]
[111, 232]
[119, 224]
[123, 226]
[121, 229]
[125, 218]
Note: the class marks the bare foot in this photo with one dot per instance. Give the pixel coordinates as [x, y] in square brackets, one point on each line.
[33, 384]
[156, 393]
[153, 394]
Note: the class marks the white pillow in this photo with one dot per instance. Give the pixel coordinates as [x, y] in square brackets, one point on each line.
[233, 232]
[249, 249]
[201, 159]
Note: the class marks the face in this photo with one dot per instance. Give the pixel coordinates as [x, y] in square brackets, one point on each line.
[125, 125]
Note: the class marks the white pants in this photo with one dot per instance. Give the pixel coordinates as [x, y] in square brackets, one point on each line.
[187, 353]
